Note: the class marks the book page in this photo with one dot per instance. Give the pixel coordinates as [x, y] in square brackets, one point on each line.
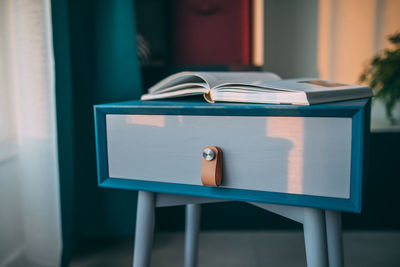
[171, 94]
[177, 79]
[180, 87]
[215, 79]
[295, 91]
[308, 85]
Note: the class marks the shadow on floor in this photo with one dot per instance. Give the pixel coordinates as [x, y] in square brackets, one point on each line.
[247, 248]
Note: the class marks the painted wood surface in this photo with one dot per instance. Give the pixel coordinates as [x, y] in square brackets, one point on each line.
[352, 115]
[293, 155]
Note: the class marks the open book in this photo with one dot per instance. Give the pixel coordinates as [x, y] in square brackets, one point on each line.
[254, 87]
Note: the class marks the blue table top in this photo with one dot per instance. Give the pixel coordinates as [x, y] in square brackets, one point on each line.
[357, 103]
[334, 109]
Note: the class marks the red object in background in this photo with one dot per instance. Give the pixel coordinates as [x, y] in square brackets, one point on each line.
[211, 32]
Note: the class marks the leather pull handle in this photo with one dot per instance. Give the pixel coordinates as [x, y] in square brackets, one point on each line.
[211, 166]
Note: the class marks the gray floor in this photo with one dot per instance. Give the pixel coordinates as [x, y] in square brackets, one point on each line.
[267, 248]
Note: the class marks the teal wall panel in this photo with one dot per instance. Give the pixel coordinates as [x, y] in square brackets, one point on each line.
[65, 126]
[116, 66]
[96, 61]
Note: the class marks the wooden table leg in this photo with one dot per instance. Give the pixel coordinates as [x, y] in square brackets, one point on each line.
[192, 234]
[334, 238]
[144, 229]
[315, 237]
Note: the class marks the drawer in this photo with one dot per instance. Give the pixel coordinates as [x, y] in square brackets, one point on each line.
[302, 155]
[296, 155]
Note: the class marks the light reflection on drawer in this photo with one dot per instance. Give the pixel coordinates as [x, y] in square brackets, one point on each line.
[298, 155]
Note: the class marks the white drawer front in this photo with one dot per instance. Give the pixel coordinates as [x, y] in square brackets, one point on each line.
[297, 155]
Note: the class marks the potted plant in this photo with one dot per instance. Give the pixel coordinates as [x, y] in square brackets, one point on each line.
[383, 75]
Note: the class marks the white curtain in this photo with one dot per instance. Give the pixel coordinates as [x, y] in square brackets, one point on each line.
[30, 228]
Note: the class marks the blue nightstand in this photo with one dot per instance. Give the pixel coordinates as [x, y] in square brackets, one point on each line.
[301, 162]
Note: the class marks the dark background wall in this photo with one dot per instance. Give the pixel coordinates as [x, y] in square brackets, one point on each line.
[291, 36]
